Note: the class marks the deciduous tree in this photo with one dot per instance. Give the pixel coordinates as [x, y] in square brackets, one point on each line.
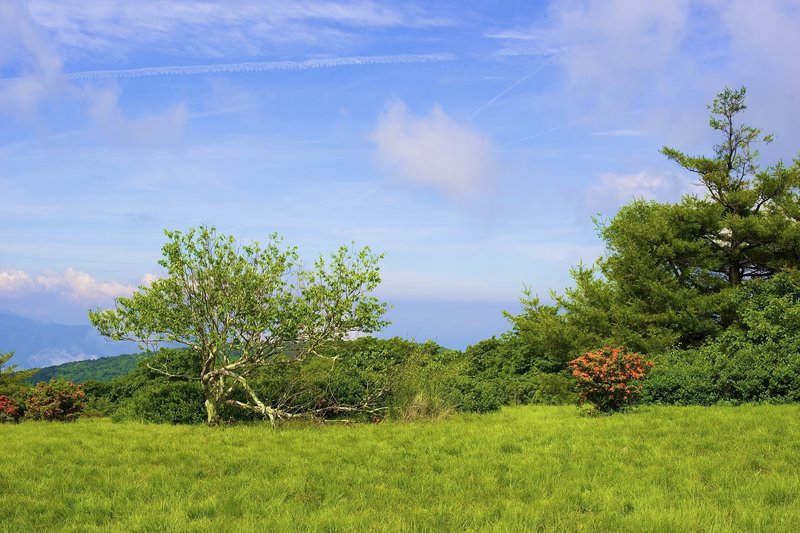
[240, 308]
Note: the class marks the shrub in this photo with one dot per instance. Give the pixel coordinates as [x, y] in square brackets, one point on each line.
[19, 393]
[554, 389]
[682, 377]
[609, 378]
[9, 410]
[57, 400]
[441, 378]
[172, 402]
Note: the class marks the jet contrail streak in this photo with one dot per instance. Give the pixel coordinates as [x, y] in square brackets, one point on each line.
[260, 66]
[503, 93]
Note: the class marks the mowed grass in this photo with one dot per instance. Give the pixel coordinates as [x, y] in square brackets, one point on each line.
[524, 468]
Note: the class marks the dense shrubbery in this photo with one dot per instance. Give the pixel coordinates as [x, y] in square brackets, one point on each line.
[14, 388]
[57, 400]
[176, 402]
[518, 373]
[757, 359]
[148, 396]
[369, 379]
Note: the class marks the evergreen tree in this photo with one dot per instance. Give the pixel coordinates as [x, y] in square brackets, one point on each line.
[672, 271]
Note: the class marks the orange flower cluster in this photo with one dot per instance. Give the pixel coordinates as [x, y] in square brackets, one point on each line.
[609, 378]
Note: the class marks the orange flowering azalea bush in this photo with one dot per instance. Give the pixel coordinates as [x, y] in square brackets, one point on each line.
[609, 378]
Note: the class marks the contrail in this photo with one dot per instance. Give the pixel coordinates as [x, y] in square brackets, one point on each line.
[503, 93]
[545, 132]
[260, 66]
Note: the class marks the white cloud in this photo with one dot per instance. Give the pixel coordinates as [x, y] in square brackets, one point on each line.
[148, 279]
[81, 286]
[612, 45]
[610, 41]
[665, 60]
[14, 281]
[74, 285]
[155, 129]
[613, 190]
[525, 51]
[433, 150]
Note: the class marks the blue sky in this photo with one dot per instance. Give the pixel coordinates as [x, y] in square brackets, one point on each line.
[471, 142]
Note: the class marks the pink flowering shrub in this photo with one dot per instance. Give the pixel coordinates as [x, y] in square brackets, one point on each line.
[9, 410]
[58, 400]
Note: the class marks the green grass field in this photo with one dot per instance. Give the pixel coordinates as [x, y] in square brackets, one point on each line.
[524, 468]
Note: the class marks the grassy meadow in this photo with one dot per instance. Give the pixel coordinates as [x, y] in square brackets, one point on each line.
[523, 468]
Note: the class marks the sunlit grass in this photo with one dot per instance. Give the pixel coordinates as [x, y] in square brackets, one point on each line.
[525, 468]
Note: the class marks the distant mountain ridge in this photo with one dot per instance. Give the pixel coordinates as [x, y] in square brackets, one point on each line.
[39, 344]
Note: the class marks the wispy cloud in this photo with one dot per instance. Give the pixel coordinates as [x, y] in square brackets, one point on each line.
[40, 80]
[616, 55]
[526, 51]
[261, 66]
[433, 150]
[216, 28]
[618, 133]
[516, 35]
[22, 47]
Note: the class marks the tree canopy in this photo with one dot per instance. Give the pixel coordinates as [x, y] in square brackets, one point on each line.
[240, 308]
[9, 375]
[672, 272]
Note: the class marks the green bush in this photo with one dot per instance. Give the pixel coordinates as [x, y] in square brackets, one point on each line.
[98, 407]
[14, 387]
[726, 371]
[440, 377]
[553, 389]
[19, 393]
[682, 378]
[758, 373]
[755, 360]
[178, 402]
